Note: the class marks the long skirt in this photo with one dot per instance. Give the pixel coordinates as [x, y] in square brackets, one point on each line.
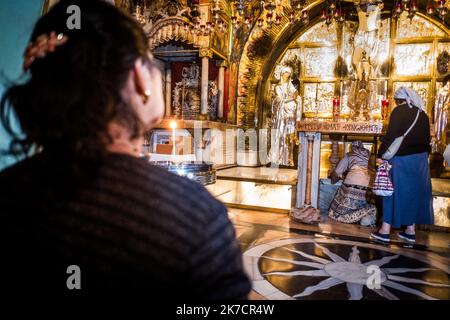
[412, 201]
[350, 205]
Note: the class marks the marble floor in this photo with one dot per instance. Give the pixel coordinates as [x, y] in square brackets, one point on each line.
[288, 260]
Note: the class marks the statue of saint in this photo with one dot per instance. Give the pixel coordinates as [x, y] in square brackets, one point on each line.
[286, 110]
[213, 100]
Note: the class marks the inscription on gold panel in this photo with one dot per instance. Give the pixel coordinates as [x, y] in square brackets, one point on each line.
[341, 127]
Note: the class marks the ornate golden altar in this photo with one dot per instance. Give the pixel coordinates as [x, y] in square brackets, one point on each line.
[310, 139]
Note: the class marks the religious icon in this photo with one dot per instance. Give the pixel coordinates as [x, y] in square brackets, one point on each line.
[365, 59]
[186, 94]
[213, 100]
[286, 110]
[367, 39]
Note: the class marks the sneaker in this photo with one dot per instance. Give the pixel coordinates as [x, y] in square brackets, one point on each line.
[380, 236]
[407, 237]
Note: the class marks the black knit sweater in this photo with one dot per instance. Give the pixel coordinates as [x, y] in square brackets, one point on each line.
[418, 139]
[133, 226]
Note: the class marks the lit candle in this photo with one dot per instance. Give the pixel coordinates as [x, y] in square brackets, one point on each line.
[173, 126]
[336, 108]
[260, 23]
[234, 20]
[384, 108]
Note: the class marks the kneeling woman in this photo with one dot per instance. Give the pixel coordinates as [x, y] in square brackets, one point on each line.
[350, 204]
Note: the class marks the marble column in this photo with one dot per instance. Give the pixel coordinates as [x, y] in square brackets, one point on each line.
[334, 159]
[308, 169]
[221, 85]
[205, 55]
[168, 99]
[309, 163]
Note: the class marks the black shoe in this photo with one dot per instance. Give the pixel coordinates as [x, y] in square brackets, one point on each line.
[407, 237]
[380, 236]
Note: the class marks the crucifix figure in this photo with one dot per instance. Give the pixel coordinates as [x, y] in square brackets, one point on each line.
[366, 39]
[364, 56]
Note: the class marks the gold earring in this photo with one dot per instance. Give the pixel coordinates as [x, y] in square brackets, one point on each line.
[147, 94]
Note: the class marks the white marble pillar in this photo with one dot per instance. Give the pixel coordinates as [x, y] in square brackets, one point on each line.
[308, 169]
[205, 55]
[204, 86]
[168, 99]
[221, 85]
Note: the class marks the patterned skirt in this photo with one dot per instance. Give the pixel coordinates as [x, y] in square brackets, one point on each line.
[350, 205]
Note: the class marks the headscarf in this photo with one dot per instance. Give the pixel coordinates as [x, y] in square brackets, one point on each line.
[412, 97]
[359, 151]
[358, 156]
[286, 69]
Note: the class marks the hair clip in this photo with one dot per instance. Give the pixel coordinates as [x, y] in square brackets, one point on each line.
[41, 47]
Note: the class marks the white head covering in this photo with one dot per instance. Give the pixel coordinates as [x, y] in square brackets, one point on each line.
[412, 97]
[286, 69]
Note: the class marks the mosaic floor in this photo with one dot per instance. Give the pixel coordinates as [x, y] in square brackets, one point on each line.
[333, 261]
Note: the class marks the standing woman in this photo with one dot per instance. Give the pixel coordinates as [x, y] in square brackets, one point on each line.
[411, 202]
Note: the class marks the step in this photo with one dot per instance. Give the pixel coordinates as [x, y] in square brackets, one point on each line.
[256, 188]
[259, 175]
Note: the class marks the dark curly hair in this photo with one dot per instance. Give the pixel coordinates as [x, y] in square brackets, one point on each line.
[72, 94]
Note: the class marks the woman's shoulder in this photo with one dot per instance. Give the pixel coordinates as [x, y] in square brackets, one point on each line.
[424, 115]
[402, 109]
[401, 112]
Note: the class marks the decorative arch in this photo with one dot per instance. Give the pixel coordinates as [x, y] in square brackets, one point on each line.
[261, 45]
[171, 29]
[256, 71]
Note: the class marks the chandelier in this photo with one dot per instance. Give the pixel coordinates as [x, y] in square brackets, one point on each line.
[411, 7]
[438, 7]
[268, 13]
[245, 13]
[333, 12]
[139, 12]
[199, 27]
[271, 12]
